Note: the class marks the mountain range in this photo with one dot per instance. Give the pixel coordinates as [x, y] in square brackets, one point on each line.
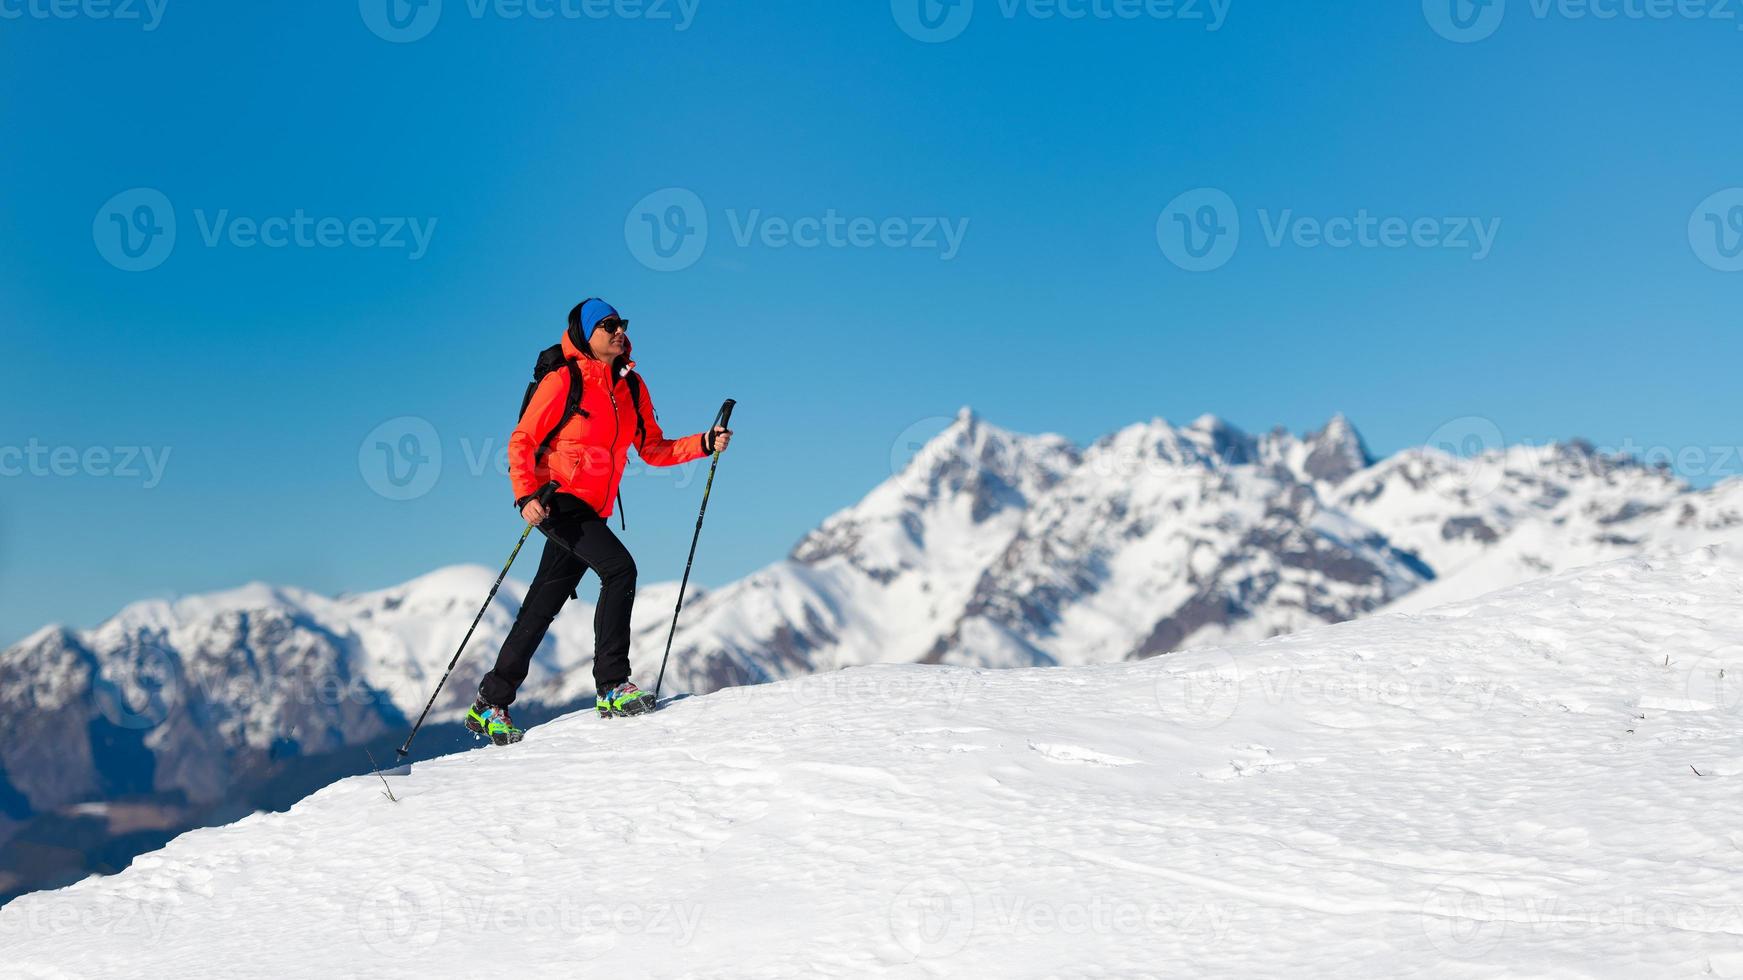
[988, 549]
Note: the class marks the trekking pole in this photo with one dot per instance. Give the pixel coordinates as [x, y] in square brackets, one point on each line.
[544, 501]
[724, 420]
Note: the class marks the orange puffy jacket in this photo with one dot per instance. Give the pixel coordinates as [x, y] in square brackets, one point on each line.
[587, 457]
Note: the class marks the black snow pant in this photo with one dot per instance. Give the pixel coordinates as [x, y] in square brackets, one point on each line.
[590, 545]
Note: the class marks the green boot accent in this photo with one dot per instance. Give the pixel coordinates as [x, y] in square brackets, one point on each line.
[623, 701]
[493, 723]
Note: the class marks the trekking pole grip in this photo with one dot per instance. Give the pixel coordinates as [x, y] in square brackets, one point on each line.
[725, 415]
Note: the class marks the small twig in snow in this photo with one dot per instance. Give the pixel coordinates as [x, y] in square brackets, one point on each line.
[388, 789]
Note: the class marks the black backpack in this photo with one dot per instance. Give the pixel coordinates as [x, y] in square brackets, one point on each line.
[552, 359]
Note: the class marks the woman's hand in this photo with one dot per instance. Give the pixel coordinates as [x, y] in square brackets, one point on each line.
[721, 437]
[534, 512]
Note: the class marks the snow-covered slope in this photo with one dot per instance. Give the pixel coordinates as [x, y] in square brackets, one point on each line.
[178, 714]
[1543, 782]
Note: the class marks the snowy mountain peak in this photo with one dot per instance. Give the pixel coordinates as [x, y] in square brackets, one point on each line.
[970, 469]
[1220, 440]
[155, 617]
[444, 585]
[1336, 452]
[1206, 443]
[51, 633]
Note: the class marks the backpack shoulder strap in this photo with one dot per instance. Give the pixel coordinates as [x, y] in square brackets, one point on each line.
[571, 408]
[635, 395]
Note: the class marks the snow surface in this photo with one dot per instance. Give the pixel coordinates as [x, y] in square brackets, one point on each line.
[1542, 782]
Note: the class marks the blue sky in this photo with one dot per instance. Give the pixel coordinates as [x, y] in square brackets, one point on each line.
[528, 150]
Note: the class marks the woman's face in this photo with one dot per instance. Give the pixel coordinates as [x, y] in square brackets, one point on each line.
[610, 339]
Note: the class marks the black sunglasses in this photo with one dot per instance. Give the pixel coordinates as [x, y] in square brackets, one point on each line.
[612, 325]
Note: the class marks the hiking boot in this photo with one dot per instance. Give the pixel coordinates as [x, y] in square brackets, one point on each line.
[492, 722]
[623, 701]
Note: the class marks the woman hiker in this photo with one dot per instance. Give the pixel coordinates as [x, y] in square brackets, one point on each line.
[583, 451]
